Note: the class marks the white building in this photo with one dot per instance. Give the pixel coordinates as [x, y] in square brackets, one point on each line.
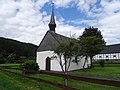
[45, 50]
[110, 53]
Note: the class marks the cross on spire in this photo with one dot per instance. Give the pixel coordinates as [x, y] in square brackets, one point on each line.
[52, 5]
[52, 24]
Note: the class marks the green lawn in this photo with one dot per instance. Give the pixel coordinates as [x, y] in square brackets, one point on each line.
[8, 83]
[109, 65]
[99, 71]
[12, 65]
[80, 85]
[11, 82]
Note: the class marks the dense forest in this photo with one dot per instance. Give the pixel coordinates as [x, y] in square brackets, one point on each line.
[12, 51]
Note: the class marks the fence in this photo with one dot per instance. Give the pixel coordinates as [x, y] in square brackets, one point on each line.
[67, 76]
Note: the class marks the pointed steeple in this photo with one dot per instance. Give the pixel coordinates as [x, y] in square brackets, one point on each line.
[52, 24]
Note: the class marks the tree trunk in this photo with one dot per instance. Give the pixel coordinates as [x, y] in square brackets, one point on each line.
[84, 62]
[91, 62]
[66, 81]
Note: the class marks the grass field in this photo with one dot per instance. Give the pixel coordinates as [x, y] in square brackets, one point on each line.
[99, 71]
[11, 82]
[8, 83]
[12, 65]
[80, 85]
[108, 65]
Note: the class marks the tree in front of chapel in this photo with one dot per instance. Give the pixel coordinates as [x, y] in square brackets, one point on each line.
[91, 42]
[66, 51]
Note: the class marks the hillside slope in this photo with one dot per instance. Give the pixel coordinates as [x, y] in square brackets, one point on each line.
[9, 46]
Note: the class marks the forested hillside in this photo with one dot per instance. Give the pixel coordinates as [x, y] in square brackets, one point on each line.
[12, 51]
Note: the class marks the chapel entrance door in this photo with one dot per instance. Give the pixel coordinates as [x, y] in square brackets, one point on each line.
[48, 64]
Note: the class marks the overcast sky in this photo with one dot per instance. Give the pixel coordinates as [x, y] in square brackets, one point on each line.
[27, 20]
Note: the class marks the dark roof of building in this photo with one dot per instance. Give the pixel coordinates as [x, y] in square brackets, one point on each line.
[50, 40]
[111, 49]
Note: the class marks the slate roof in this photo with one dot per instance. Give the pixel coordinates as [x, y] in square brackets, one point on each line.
[111, 49]
[50, 40]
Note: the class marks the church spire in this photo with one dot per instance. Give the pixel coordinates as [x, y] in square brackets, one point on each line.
[52, 24]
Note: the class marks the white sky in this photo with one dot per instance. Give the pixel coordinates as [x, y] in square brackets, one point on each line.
[27, 20]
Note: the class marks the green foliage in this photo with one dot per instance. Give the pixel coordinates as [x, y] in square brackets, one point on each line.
[2, 59]
[11, 58]
[91, 42]
[30, 65]
[102, 63]
[21, 59]
[9, 47]
[68, 50]
[91, 45]
[60, 48]
[91, 31]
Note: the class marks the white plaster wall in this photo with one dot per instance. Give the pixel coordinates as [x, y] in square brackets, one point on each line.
[41, 60]
[75, 66]
[55, 66]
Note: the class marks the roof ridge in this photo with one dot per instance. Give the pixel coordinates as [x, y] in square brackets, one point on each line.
[53, 36]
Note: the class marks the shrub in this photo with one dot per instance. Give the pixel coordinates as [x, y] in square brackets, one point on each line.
[30, 65]
[21, 59]
[12, 58]
[2, 59]
[102, 63]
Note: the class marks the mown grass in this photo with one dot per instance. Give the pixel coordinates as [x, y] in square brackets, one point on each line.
[8, 83]
[101, 71]
[12, 82]
[77, 84]
[108, 65]
[12, 65]
[18, 83]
